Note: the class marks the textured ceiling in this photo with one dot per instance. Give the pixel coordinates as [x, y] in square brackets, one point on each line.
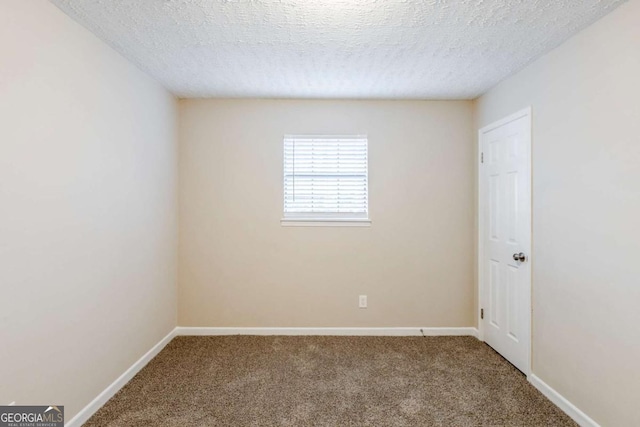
[388, 49]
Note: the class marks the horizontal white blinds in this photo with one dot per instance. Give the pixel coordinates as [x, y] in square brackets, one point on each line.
[325, 176]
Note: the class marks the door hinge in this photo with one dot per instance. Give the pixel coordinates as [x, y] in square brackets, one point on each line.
[481, 157]
[482, 313]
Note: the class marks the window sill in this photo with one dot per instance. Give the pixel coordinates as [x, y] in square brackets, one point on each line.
[324, 222]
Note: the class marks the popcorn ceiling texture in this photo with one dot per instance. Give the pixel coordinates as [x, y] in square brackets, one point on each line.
[386, 49]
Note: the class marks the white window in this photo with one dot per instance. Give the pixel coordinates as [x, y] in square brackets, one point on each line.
[326, 179]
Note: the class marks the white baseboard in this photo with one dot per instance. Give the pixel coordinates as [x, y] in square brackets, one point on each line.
[561, 402]
[108, 393]
[391, 332]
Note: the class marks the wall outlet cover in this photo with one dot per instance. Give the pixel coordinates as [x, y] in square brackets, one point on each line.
[362, 301]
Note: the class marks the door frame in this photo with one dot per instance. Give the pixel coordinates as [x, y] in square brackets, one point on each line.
[482, 286]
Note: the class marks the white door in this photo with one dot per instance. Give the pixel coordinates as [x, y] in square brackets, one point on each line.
[505, 237]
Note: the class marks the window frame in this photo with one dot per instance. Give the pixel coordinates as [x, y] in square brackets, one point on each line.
[331, 219]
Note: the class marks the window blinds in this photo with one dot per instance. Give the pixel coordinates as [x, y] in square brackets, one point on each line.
[325, 177]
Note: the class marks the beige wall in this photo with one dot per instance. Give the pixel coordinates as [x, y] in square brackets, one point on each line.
[87, 210]
[586, 213]
[239, 267]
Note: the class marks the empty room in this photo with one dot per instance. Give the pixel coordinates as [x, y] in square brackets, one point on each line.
[319, 213]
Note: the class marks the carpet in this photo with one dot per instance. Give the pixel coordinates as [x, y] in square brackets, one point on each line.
[328, 381]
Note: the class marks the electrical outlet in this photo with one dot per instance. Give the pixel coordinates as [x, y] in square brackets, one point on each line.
[362, 301]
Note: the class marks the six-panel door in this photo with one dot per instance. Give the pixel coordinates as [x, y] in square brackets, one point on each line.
[506, 234]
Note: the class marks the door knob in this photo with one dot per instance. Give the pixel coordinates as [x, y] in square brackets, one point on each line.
[519, 257]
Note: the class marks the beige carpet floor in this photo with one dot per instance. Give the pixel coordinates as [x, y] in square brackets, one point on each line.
[328, 381]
